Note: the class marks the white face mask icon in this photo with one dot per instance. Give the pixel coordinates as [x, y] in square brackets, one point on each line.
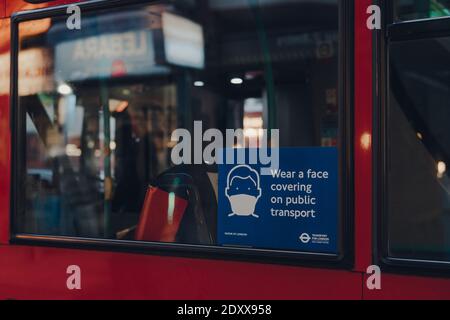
[243, 191]
[243, 205]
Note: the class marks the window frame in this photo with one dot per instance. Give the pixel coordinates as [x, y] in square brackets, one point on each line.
[395, 32]
[343, 260]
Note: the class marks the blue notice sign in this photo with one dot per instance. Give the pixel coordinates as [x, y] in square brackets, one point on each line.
[293, 208]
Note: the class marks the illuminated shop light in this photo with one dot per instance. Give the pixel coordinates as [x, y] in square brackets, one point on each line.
[72, 150]
[441, 168]
[117, 105]
[65, 89]
[237, 81]
[366, 141]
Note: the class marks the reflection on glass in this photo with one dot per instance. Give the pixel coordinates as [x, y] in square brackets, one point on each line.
[100, 105]
[420, 9]
[419, 150]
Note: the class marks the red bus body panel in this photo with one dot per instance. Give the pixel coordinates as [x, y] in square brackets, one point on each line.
[40, 273]
[405, 287]
[30, 273]
[2, 8]
[20, 5]
[5, 163]
[362, 140]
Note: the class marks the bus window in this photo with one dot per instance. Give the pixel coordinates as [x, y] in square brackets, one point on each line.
[98, 108]
[420, 9]
[418, 181]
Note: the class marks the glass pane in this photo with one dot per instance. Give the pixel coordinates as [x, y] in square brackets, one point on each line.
[420, 9]
[104, 105]
[419, 149]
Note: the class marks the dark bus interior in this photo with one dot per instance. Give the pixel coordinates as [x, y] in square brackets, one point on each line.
[98, 134]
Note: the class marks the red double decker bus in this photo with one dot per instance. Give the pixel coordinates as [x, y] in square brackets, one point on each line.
[112, 113]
